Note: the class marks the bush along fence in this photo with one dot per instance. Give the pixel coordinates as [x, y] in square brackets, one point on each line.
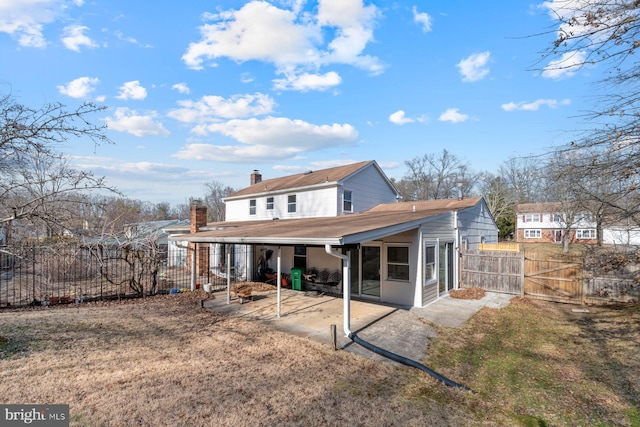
[81, 272]
[598, 276]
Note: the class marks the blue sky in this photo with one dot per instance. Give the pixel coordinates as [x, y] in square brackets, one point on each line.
[210, 90]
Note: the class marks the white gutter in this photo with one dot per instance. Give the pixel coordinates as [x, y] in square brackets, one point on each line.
[346, 288]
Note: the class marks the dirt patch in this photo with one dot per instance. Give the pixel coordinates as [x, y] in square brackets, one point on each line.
[469, 293]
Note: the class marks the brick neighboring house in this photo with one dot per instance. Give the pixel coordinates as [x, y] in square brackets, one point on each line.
[545, 223]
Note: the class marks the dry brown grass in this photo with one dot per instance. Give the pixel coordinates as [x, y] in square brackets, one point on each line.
[164, 361]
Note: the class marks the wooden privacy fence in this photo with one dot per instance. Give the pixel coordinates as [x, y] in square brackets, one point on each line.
[542, 275]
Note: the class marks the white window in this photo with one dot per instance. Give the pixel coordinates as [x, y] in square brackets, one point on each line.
[269, 203]
[430, 263]
[347, 201]
[557, 218]
[583, 217]
[291, 203]
[532, 234]
[531, 217]
[586, 234]
[252, 207]
[398, 263]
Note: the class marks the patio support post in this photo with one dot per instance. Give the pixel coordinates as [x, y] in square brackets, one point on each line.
[193, 267]
[228, 276]
[278, 281]
[346, 288]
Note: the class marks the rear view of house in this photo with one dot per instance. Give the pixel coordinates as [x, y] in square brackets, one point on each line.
[403, 253]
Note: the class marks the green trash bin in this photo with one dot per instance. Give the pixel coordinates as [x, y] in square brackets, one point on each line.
[296, 279]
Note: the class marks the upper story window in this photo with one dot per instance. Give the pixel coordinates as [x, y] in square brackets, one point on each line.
[531, 217]
[557, 218]
[291, 203]
[398, 263]
[252, 207]
[583, 217]
[347, 201]
[269, 203]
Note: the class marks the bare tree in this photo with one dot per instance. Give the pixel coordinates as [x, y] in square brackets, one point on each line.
[36, 182]
[501, 201]
[604, 34]
[436, 177]
[213, 199]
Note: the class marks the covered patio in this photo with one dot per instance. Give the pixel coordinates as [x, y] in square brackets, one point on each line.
[403, 330]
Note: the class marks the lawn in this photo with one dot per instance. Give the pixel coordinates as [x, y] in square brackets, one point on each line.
[165, 361]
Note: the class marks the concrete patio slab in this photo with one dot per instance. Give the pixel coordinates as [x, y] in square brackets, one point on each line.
[400, 330]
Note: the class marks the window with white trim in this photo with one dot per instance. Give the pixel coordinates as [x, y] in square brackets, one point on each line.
[347, 201]
[252, 207]
[291, 203]
[532, 234]
[586, 234]
[584, 216]
[398, 263]
[269, 203]
[536, 217]
[557, 218]
[429, 263]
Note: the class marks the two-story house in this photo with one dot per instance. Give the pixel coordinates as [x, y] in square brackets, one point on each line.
[336, 191]
[552, 223]
[344, 220]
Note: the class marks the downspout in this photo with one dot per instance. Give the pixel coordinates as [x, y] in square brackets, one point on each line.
[346, 292]
[457, 249]
[346, 289]
[278, 275]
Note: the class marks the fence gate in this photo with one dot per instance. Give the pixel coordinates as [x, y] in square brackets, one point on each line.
[553, 277]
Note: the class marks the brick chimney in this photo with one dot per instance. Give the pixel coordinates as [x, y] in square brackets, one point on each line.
[198, 217]
[256, 177]
[197, 220]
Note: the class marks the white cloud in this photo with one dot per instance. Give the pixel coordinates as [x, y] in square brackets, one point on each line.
[305, 82]
[399, 118]
[422, 18]
[566, 66]
[535, 105]
[181, 87]
[453, 115]
[25, 20]
[126, 120]
[80, 87]
[211, 108]
[74, 38]
[290, 39]
[132, 90]
[273, 138]
[474, 67]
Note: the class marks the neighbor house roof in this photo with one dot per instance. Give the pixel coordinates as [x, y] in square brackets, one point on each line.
[331, 176]
[381, 221]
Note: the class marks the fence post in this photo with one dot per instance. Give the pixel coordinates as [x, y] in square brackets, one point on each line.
[522, 276]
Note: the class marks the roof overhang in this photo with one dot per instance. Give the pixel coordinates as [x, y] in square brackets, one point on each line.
[380, 222]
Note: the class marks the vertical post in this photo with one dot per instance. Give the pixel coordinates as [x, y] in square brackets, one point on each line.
[228, 275]
[334, 337]
[522, 276]
[278, 282]
[193, 266]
